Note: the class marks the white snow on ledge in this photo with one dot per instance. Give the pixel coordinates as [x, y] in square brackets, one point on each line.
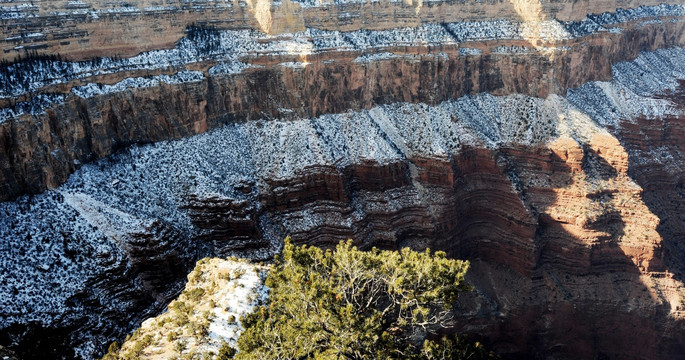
[369, 58]
[382, 56]
[469, 51]
[36, 106]
[232, 288]
[295, 65]
[230, 67]
[229, 46]
[90, 90]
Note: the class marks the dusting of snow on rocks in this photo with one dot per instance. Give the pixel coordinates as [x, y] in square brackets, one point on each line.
[35, 106]
[245, 290]
[370, 58]
[91, 89]
[465, 51]
[229, 67]
[595, 23]
[230, 46]
[500, 29]
[295, 64]
[207, 315]
[631, 92]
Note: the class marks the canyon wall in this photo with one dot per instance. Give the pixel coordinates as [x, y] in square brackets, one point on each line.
[536, 139]
[81, 30]
[92, 110]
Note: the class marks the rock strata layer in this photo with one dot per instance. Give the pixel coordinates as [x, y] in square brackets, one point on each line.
[80, 29]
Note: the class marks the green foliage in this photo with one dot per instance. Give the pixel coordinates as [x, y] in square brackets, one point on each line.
[114, 347]
[350, 304]
[226, 352]
[172, 336]
[180, 346]
[142, 344]
[195, 295]
[200, 328]
[455, 348]
[135, 352]
[112, 351]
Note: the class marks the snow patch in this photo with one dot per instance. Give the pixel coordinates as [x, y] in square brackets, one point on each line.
[90, 90]
[470, 51]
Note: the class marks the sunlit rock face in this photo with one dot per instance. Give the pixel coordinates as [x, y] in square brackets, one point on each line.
[205, 316]
[541, 141]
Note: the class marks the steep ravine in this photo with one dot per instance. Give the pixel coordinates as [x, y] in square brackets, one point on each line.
[558, 201]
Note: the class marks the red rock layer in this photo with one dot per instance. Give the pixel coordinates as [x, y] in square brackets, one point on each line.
[225, 223]
[654, 147]
[568, 259]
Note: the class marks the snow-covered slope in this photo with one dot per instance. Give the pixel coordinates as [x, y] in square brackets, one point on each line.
[206, 315]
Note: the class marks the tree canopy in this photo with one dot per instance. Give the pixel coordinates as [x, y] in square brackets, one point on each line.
[352, 304]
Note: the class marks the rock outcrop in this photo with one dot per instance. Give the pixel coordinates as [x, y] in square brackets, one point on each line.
[540, 141]
[204, 318]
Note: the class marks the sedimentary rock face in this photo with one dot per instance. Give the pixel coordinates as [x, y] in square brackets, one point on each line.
[541, 141]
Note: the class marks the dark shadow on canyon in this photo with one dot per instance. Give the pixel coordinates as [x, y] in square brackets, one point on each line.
[655, 148]
[576, 305]
[544, 291]
[38, 342]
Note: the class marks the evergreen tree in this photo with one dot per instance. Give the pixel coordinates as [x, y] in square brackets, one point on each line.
[351, 304]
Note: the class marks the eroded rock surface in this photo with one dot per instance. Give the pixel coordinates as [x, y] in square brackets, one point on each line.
[81, 29]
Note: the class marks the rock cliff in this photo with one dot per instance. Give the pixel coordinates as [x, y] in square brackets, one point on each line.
[70, 113]
[82, 30]
[541, 144]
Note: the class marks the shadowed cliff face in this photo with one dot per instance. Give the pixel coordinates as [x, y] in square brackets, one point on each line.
[519, 141]
[590, 267]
